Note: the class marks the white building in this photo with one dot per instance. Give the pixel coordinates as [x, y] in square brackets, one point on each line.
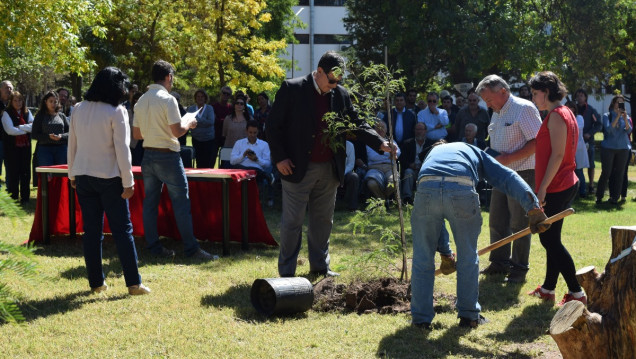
[324, 31]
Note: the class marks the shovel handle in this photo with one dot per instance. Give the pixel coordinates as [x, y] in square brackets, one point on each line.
[557, 217]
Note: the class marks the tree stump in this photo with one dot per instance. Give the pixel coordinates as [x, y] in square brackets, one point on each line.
[607, 327]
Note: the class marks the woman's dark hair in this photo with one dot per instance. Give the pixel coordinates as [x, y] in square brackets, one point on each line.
[43, 110]
[201, 91]
[246, 112]
[110, 86]
[614, 99]
[17, 94]
[547, 80]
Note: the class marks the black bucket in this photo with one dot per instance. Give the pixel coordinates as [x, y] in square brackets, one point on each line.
[282, 295]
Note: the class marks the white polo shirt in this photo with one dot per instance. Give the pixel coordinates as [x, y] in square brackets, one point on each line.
[155, 111]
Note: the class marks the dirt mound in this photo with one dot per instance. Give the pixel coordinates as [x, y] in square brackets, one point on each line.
[385, 295]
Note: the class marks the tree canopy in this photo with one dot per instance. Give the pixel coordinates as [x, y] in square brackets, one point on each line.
[588, 43]
[210, 42]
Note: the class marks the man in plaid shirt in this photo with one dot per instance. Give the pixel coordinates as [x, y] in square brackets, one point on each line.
[513, 128]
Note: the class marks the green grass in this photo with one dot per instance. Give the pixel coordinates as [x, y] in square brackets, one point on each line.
[203, 310]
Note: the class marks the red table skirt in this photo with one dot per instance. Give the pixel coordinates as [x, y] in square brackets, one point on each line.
[206, 201]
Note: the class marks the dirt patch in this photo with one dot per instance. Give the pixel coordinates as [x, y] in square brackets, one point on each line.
[384, 296]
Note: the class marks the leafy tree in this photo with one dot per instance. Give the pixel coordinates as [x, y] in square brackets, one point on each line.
[40, 33]
[590, 44]
[211, 42]
[587, 43]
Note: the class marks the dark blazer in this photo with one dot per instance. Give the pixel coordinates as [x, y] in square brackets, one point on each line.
[409, 120]
[407, 157]
[291, 128]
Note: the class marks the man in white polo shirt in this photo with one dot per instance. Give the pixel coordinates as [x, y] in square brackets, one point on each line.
[158, 122]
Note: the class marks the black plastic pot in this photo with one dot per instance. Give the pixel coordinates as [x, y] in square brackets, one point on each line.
[282, 295]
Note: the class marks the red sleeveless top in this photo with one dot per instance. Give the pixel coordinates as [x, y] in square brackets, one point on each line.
[565, 177]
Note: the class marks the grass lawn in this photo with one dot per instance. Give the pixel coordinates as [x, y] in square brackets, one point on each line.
[203, 310]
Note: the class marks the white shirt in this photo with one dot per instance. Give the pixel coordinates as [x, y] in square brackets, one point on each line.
[431, 120]
[350, 161]
[517, 122]
[260, 148]
[155, 111]
[7, 124]
[98, 141]
[374, 158]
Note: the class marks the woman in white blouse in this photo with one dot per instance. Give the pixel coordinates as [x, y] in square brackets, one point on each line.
[100, 170]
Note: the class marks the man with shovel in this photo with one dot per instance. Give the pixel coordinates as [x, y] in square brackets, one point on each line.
[446, 190]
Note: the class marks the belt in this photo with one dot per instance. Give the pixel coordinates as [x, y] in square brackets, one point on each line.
[164, 150]
[459, 179]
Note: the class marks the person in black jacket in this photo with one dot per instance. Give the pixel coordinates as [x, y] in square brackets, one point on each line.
[310, 169]
[413, 152]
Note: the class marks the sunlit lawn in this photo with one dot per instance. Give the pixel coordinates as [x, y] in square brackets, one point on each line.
[203, 310]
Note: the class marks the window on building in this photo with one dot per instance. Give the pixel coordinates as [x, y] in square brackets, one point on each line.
[322, 2]
[302, 38]
[331, 39]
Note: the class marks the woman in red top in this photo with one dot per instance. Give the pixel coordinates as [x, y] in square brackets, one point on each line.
[556, 182]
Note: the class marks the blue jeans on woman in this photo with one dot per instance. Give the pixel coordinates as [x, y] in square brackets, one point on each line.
[52, 155]
[96, 196]
[159, 168]
[459, 204]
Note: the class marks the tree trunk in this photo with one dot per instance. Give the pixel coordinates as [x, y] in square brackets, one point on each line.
[607, 328]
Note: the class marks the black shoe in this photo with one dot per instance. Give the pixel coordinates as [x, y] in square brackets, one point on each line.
[324, 273]
[467, 323]
[423, 325]
[516, 277]
[495, 268]
[164, 253]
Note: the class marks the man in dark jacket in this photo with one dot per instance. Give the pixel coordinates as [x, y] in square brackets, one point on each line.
[311, 169]
[402, 120]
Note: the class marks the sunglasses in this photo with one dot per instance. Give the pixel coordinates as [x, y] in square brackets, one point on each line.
[332, 81]
[432, 101]
[240, 103]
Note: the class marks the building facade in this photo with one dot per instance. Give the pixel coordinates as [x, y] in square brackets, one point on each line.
[324, 31]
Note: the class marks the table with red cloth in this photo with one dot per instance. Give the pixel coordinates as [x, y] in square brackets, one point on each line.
[225, 207]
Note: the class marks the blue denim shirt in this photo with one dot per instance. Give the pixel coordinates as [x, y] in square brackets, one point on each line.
[615, 138]
[459, 159]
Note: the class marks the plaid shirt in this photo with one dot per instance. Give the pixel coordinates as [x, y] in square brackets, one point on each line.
[516, 123]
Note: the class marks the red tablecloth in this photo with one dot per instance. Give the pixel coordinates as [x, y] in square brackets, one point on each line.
[206, 201]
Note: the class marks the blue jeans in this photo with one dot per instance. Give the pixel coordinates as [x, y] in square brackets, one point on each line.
[51, 155]
[160, 168]
[96, 196]
[459, 205]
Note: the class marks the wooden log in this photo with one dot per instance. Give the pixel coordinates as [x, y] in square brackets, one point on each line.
[578, 333]
[607, 328]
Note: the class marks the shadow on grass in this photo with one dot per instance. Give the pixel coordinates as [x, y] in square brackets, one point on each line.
[531, 324]
[36, 309]
[414, 342]
[238, 298]
[495, 294]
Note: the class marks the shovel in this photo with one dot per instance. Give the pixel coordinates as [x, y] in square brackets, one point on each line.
[518, 235]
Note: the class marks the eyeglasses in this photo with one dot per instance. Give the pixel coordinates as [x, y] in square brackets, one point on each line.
[240, 103]
[432, 101]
